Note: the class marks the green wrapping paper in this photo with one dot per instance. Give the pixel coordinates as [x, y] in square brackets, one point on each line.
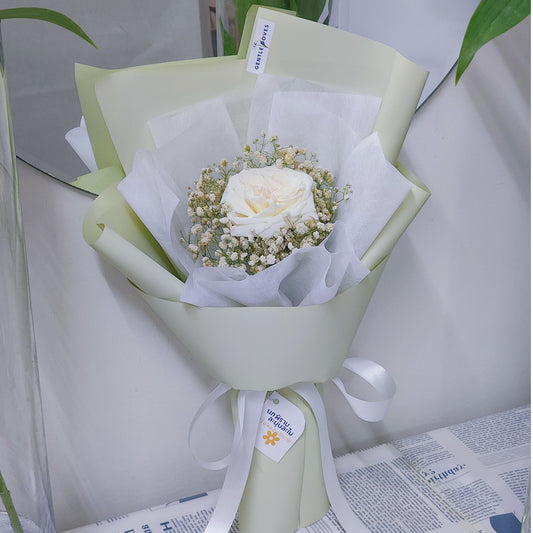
[270, 365]
[291, 494]
[311, 342]
[116, 233]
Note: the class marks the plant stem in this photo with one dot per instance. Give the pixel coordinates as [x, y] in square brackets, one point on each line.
[10, 508]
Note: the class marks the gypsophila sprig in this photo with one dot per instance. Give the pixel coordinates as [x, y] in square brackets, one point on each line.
[211, 239]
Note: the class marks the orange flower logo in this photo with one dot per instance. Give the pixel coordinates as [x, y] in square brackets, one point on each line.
[271, 438]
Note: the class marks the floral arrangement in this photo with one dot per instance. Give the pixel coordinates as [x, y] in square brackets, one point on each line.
[253, 213]
[266, 235]
[267, 225]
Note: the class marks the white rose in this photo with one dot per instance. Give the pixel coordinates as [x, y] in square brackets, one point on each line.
[262, 199]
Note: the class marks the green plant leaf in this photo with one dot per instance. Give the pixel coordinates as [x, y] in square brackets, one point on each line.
[229, 48]
[310, 9]
[490, 19]
[9, 507]
[48, 15]
[242, 7]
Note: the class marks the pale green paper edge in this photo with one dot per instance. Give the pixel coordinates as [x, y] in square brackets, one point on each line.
[111, 99]
[303, 499]
[299, 48]
[133, 250]
[130, 98]
[115, 232]
[98, 181]
[87, 77]
[104, 151]
[348, 62]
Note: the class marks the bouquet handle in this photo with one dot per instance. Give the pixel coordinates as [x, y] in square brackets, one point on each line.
[308, 474]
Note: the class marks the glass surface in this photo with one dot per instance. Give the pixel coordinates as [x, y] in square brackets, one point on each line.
[23, 461]
[40, 58]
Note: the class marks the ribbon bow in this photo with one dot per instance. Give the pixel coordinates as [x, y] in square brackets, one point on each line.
[249, 409]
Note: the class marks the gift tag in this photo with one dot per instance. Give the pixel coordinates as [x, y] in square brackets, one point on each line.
[258, 51]
[280, 426]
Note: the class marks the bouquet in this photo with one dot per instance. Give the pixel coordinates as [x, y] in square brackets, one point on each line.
[265, 206]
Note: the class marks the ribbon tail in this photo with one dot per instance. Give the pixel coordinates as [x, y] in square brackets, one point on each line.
[348, 520]
[215, 394]
[241, 460]
[378, 378]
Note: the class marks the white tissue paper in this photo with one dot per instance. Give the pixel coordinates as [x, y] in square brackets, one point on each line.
[78, 138]
[337, 126]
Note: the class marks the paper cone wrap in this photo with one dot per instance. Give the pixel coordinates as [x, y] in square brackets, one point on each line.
[290, 494]
[310, 342]
[309, 345]
[250, 348]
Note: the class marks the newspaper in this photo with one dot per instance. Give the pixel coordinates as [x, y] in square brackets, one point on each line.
[471, 477]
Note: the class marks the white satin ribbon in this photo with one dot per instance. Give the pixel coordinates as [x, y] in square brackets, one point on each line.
[347, 519]
[249, 408]
[376, 376]
[214, 395]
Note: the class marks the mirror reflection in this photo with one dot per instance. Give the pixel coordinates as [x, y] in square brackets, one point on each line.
[40, 58]
[43, 96]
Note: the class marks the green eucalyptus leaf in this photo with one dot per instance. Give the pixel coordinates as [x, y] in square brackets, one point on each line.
[48, 15]
[228, 44]
[310, 9]
[242, 7]
[490, 19]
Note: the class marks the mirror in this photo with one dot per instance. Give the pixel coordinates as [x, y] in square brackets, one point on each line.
[40, 62]
[40, 58]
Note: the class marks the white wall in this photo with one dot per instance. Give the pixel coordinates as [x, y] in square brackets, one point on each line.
[450, 318]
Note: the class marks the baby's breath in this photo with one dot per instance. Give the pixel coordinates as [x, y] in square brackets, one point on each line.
[210, 236]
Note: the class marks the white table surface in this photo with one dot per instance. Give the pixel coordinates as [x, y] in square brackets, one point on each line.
[450, 318]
